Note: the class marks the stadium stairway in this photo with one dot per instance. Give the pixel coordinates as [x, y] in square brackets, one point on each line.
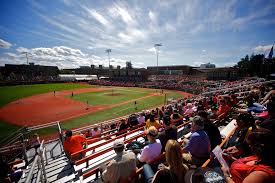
[58, 168]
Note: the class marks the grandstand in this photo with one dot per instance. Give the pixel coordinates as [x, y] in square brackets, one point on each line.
[50, 164]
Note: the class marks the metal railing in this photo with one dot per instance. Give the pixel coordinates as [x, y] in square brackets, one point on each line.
[40, 160]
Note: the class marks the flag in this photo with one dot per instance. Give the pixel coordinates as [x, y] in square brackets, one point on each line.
[270, 53]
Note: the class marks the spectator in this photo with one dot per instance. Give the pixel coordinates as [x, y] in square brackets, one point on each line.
[147, 115]
[92, 133]
[121, 167]
[176, 169]
[211, 130]
[9, 173]
[123, 126]
[269, 123]
[189, 110]
[200, 106]
[152, 122]
[197, 149]
[257, 168]
[234, 100]
[73, 144]
[170, 132]
[96, 131]
[141, 118]
[268, 96]
[245, 125]
[214, 112]
[132, 120]
[159, 113]
[223, 108]
[153, 149]
[176, 118]
[88, 133]
[34, 142]
[113, 126]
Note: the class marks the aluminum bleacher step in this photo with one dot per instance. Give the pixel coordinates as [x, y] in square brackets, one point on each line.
[56, 169]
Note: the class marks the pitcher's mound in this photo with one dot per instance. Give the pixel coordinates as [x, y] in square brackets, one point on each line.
[113, 94]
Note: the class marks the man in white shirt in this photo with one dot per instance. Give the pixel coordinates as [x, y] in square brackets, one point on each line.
[153, 149]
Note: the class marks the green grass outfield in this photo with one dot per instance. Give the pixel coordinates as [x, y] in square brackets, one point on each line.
[121, 110]
[109, 97]
[95, 98]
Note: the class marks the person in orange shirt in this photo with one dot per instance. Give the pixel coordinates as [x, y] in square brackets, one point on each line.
[223, 108]
[73, 144]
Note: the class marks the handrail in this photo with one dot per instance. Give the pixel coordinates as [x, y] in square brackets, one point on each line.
[28, 179]
[37, 127]
[39, 160]
[11, 135]
[59, 128]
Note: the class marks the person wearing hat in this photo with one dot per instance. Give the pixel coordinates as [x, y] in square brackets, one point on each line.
[153, 149]
[197, 149]
[170, 132]
[122, 166]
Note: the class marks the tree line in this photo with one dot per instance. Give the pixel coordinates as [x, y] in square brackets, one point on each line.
[256, 65]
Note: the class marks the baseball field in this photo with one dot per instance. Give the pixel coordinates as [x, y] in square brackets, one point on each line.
[74, 105]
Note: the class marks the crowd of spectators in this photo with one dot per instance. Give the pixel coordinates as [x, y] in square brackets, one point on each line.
[106, 82]
[249, 155]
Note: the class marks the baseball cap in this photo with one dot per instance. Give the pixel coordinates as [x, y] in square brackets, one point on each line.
[118, 143]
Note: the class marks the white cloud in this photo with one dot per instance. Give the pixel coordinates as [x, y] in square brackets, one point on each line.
[97, 16]
[169, 27]
[132, 35]
[153, 49]
[119, 10]
[5, 44]
[22, 49]
[203, 50]
[262, 48]
[152, 16]
[61, 56]
[197, 29]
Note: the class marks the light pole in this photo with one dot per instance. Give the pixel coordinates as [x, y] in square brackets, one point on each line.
[108, 51]
[26, 56]
[157, 52]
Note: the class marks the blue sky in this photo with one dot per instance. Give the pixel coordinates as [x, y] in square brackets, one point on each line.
[73, 33]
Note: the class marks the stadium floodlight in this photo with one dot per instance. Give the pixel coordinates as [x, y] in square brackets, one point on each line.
[26, 53]
[108, 51]
[157, 52]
